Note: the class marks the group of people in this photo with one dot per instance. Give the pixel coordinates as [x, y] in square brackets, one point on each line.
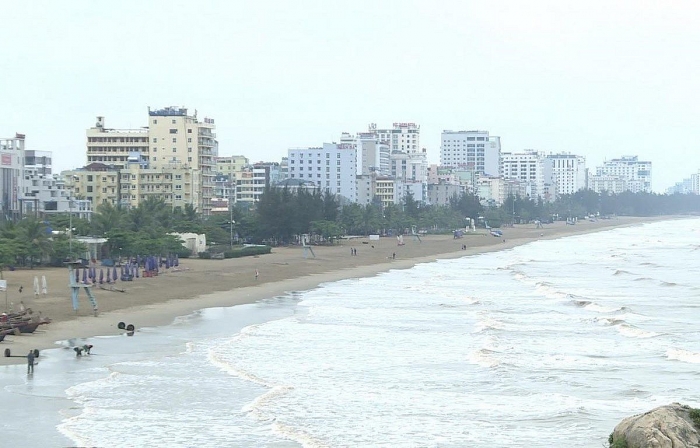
[353, 251]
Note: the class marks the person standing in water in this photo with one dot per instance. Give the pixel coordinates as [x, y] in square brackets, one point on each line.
[30, 362]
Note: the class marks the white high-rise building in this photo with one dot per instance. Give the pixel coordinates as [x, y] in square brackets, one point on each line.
[12, 176]
[332, 168]
[401, 137]
[531, 168]
[569, 172]
[372, 153]
[472, 150]
[637, 173]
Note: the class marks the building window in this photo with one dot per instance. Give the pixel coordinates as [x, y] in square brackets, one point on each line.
[174, 140]
[174, 121]
[189, 131]
[155, 140]
[155, 121]
[173, 131]
[174, 149]
[189, 140]
[189, 159]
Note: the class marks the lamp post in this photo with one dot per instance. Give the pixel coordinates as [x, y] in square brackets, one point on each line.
[70, 229]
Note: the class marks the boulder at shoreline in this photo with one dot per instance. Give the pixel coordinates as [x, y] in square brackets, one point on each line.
[669, 426]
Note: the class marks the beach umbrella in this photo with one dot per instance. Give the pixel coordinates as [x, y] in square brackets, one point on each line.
[44, 286]
[36, 285]
[85, 275]
[102, 276]
[114, 274]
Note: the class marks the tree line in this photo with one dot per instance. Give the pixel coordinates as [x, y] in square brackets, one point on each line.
[281, 215]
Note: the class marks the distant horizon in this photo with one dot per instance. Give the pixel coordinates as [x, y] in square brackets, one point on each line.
[596, 79]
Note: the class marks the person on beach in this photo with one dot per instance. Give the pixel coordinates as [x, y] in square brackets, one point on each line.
[256, 274]
[22, 309]
[393, 256]
[21, 288]
[30, 362]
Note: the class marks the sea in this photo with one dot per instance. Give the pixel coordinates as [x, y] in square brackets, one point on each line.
[545, 344]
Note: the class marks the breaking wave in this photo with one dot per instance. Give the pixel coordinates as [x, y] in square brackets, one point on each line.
[678, 354]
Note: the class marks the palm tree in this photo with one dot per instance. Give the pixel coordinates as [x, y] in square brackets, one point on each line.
[35, 239]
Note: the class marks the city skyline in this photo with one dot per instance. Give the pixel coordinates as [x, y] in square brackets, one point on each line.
[600, 80]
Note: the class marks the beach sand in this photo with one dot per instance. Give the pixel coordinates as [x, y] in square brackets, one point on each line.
[198, 284]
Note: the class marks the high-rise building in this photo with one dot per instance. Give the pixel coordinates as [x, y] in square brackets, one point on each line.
[332, 167]
[637, 173]
[114, 147]
[401, 137]
[569, 172]
[172, 140]
[12, 160]
[177, 138]
[531, 168]
[473, 150]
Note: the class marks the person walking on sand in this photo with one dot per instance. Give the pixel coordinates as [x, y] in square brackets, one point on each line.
[30, 362]
[257, 274]
[21, 288]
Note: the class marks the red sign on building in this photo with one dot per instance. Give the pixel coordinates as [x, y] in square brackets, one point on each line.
[6, 159]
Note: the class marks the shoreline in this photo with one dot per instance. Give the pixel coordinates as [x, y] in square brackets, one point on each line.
[201, 284]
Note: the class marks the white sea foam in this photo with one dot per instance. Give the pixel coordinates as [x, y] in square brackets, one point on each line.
[602, 309]
[678, 354]
[633, 332]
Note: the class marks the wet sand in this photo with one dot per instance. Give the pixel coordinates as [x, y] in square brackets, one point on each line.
[198, 284]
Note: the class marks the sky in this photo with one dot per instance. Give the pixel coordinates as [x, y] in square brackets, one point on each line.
[601, 79]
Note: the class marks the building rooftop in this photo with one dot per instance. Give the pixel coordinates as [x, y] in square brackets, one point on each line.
[171, 111]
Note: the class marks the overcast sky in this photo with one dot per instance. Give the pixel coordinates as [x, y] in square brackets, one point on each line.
[595, 78]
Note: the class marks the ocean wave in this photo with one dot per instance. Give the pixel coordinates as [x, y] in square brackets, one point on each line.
[640, 279]
[216, 360]
[663, 283]
[484, 358]
[678, 354]
[634, 332]
[255, 407]
[621, 271]
[592, 306]
[297, 435]
[488, 324]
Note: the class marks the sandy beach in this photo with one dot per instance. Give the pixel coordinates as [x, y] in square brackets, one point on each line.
[198, 284]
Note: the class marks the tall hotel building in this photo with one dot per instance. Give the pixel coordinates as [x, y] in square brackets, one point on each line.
[173, 140]
[635, 172]
[332, 167]
[569, 172]
[472, 150]
[532, 169]
[403, 137]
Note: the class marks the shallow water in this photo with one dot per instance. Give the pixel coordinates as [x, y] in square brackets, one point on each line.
[554, 340]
